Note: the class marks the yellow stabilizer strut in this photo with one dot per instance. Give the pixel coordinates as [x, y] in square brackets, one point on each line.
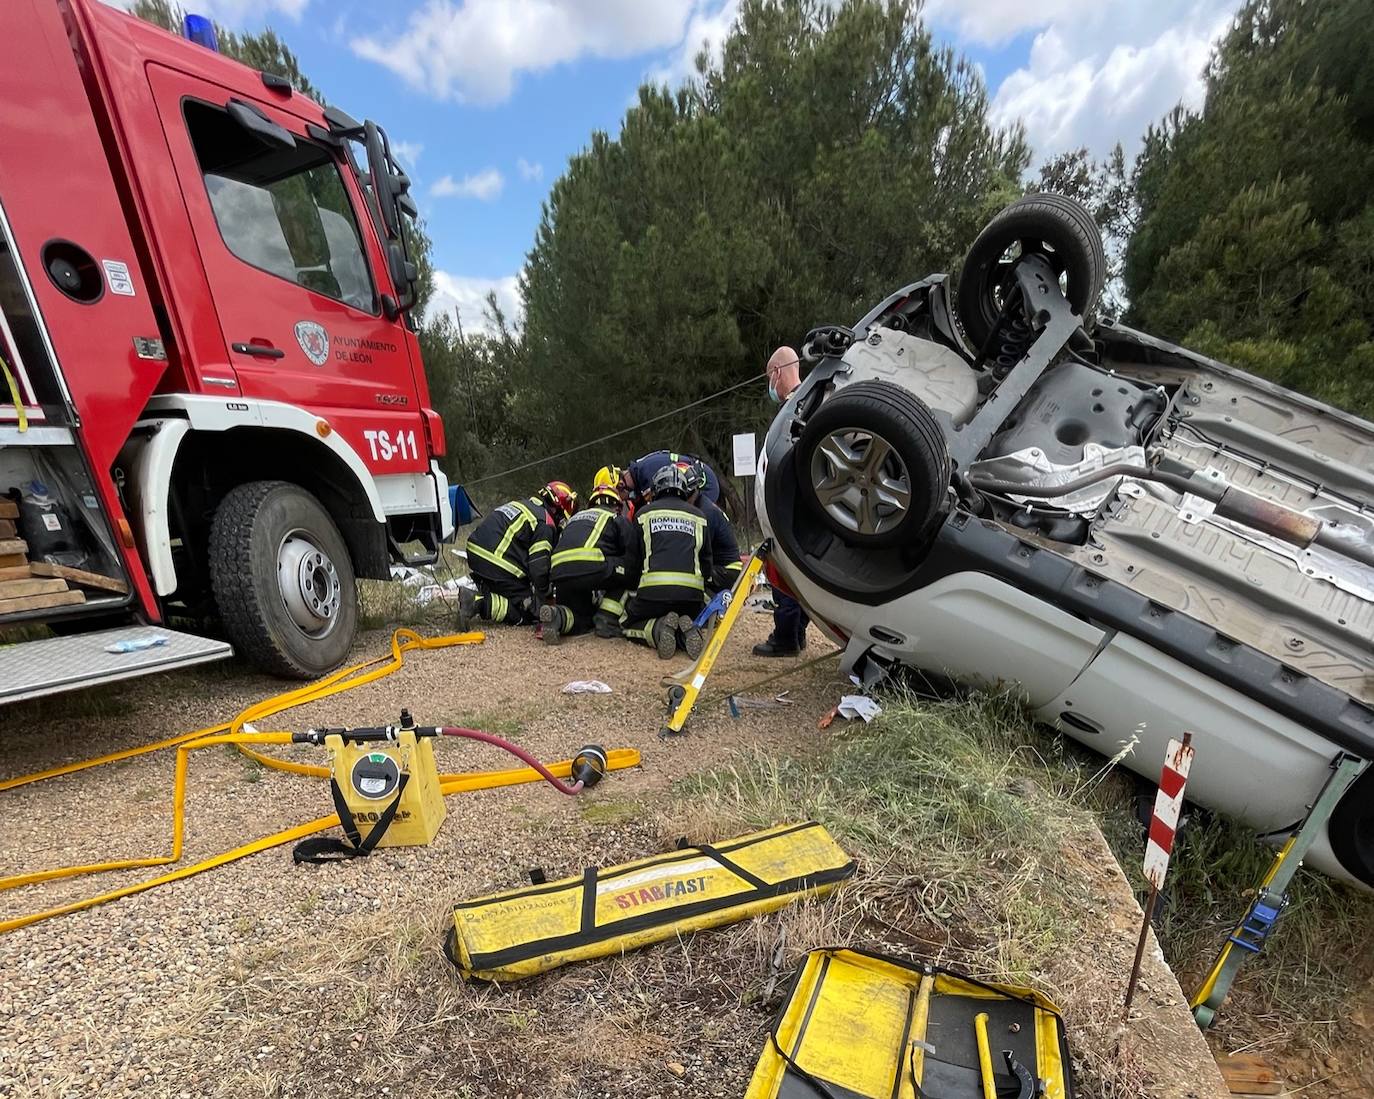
[980, 1028]
[686, 694]
[402, 641]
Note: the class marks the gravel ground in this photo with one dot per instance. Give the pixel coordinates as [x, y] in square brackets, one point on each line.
[265, 979]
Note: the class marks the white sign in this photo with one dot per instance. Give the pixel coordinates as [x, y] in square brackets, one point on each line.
[117, 276]
[746, 461]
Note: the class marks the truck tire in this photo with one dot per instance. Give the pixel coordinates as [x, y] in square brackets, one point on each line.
[1055, 226]
[283, 580]
[868, 496]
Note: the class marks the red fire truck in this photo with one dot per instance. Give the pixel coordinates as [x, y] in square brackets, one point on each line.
[212, 402]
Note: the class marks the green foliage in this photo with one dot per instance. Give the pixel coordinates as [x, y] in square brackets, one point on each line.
[263, 51]
[832, 155]
[1255, 233]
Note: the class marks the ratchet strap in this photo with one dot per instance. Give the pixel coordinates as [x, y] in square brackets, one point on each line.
[333, 849]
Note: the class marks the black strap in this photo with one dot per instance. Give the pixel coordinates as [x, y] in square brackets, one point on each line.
[537, 875]
[733, 867]
[589, 900]
[332, 849]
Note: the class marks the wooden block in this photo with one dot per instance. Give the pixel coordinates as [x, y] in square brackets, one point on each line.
[14, 589]
[80, 576]
[13, 561]
[8, 508]
[1248, 1074]
[13, 546]
[40, 602]
[16, 572]
[8, 529]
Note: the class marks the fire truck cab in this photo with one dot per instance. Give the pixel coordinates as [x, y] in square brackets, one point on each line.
[213, 405]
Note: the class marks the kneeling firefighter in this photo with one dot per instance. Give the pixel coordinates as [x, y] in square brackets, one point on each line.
[590, 565]
[725, 557]
[672, 554]
[508, 556]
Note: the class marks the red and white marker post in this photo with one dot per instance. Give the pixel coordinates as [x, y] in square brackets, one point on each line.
[1160, 845]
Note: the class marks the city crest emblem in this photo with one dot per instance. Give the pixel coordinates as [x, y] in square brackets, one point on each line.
[314, 341]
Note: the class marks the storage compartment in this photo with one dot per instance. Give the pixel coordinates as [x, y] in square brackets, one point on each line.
[57, 553]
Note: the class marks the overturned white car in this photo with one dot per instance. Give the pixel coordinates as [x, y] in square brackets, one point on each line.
[1147, 541]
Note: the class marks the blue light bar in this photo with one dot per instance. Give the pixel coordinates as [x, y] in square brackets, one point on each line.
[201, 31]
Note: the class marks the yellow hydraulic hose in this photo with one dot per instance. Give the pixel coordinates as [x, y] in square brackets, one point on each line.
[402, 641]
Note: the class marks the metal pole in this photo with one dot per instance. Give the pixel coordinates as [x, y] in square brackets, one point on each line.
[1140, 949]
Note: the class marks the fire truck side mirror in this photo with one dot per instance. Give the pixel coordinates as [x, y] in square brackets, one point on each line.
[403, 273]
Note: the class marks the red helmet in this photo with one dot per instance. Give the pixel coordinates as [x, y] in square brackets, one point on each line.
[559, 496]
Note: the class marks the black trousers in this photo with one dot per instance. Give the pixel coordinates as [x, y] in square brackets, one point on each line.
[502, 598]
[581, 597]
[641, 614]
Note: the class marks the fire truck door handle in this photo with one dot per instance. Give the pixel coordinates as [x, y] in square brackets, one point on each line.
[262, 351]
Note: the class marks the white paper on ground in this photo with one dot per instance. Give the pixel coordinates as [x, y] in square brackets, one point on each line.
[587, 687]
[852, 706]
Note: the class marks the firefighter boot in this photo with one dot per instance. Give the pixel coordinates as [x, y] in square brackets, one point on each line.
[553, 623]
[606, 625]
[467, 609]
[690, 635]
[664, 634]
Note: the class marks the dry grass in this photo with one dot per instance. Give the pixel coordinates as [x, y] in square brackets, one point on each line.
[968, 824]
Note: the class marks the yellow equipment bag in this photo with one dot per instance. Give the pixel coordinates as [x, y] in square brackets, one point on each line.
[519, 933]
[866, 1026]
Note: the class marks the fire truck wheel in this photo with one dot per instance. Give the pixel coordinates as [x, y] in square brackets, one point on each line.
[283, 579]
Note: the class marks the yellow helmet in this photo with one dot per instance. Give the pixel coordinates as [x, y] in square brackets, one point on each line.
[607, 477]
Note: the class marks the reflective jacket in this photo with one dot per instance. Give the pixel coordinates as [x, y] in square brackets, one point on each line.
[642, 472]
[671, 552]
[516, 539]
[724, 548]
[594, 543]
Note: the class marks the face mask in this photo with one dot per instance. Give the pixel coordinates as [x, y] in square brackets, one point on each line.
[773, 394]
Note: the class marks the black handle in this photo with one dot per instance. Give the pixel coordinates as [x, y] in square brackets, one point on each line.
[260, 350]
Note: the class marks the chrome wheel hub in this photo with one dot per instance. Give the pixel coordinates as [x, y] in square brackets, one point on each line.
[309, 584]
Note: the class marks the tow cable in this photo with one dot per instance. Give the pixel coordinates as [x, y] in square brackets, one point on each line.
[240, 733]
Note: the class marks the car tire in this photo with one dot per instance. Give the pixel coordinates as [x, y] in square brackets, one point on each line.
[283, 580]
[1351, 829]
[872, 500]
[1035, 221]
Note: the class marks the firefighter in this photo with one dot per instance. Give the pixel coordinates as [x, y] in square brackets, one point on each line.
[725, 560]
[638, 477]
[590, 563]
[508, 556]
[671, 554]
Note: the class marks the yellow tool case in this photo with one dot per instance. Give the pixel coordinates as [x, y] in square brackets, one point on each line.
[858, 1025]
[507, 936]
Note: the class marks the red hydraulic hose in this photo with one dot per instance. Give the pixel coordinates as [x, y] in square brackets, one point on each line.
[515, 750]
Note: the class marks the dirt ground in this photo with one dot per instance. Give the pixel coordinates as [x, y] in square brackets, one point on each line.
[265, 979]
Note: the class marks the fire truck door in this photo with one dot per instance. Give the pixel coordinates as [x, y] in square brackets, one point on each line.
[293, 268]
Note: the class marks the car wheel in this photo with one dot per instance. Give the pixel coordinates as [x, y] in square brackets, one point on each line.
[1351, 829]
[283, 580]
[1058, 229]
[873, 466]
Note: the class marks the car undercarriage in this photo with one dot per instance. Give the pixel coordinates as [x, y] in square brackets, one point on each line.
[983, 481]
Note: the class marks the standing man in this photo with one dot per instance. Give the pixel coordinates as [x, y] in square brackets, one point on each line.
[672, 555]
[789, 620]
[508, 557]
[590, 563]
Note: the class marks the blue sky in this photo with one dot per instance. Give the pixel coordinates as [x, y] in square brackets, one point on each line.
[489, 98]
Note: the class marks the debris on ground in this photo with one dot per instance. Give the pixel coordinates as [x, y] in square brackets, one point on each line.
[587, 687]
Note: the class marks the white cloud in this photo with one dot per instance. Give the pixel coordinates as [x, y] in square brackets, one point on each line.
[472, 50]
[1099, 71]
[469, 296]
[483, 186]
[707, 29]
[408, 153]
[528, 169]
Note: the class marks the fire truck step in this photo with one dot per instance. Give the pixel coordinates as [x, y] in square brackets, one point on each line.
[69, 663]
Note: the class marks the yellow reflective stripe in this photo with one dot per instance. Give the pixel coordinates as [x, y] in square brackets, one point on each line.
[526, 518]
[677, 579]
[610, 606]
[500, 562]
[543, 545]
[588, 551]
